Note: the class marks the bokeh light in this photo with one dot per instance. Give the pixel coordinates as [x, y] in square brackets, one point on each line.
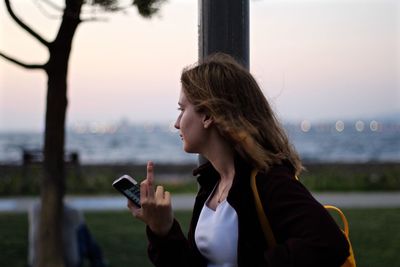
[339, 126]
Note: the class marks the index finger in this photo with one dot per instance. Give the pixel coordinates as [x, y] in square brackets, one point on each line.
[150, 178]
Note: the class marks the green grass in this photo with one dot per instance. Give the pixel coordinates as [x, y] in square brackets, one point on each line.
[97, 179]
[93, 179]
[352, 177]
[375, 234]
[14, 239]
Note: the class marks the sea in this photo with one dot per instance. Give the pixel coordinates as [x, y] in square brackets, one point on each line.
[125, 143]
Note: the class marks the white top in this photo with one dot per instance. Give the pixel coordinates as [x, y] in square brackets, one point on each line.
[216, 235]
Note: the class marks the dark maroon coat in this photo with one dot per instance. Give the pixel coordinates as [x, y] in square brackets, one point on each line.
[305, 232]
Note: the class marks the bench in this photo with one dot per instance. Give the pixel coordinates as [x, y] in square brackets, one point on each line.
[31, 156]
[36, 157]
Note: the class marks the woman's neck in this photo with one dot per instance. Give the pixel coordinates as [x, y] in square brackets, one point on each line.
[222, 157]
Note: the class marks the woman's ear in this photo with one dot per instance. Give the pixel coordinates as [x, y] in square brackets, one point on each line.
[207, 121]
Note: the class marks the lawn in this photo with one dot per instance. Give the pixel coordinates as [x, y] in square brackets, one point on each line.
[18, 180]
[375, 234]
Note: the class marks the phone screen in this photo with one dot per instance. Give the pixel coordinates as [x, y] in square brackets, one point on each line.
[128, 188]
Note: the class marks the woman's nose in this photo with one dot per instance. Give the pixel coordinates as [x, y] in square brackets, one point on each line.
[176, 125]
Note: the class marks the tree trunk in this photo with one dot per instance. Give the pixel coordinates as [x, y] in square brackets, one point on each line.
[50, 249]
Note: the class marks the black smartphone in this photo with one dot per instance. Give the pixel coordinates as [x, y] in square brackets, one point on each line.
[127, 186]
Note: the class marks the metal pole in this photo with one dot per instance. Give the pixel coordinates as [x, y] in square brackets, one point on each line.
[224, 27]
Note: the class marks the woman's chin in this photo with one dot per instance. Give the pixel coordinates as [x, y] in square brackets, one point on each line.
[188, 149]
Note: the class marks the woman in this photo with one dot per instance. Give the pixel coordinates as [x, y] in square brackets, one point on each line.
[225, 117]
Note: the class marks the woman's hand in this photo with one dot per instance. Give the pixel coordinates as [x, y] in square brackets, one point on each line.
[156, 210]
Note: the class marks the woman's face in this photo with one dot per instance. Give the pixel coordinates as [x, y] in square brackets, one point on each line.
[190, 124]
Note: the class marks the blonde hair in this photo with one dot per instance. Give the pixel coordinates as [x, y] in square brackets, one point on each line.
[225, 90]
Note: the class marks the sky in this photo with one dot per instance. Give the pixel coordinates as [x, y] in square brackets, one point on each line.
[315, 60]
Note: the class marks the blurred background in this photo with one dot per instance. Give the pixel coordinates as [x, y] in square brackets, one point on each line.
[329, 68]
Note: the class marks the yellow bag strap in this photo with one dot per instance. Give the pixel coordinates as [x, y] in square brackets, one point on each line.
[344, 220]
[351, 260]
[268, 234]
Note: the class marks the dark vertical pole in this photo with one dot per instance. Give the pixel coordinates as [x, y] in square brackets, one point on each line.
[224, 27]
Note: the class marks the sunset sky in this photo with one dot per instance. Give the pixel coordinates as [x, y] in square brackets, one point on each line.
[315, 60]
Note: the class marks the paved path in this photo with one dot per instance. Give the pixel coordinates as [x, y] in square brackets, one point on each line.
[185, 201]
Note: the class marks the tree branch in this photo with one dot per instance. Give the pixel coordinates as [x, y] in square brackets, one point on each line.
[24, 26]
[21, 64]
